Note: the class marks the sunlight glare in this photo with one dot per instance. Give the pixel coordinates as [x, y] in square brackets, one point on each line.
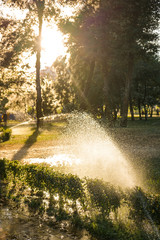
[12, 13]
[52, 45]
[56, 160]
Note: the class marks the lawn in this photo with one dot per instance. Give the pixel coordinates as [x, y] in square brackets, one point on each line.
[139, 143]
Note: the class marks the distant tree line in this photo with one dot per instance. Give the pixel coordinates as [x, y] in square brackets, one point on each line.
[113, 56]
[113, 63]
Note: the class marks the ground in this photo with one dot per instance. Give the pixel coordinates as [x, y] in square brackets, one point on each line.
[27, 143]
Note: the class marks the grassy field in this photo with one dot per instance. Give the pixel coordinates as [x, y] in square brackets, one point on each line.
[139, 142]
[22, 132]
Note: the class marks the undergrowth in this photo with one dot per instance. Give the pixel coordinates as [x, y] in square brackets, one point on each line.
[105, 211]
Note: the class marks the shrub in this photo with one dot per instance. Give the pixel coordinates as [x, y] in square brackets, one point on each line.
[103, 195]
[2, 169]
[5, 134]
[104, 210]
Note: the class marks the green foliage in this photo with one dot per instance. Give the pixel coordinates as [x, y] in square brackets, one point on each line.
[5, 134]
[106, 39]
[35, 205]
[137, 199]
[63, 85]
[48, 103]
[114, 35]
[91, 204]
[2, 169]
[146, 77]
[103, 229]
[153, 206]
[104, 196]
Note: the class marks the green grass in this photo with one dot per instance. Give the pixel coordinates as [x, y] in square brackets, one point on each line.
[140, 141]
[25, 133]
[151, 122]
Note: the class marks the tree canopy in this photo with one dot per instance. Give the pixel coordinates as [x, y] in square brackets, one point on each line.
[112, 36]
[113, 47]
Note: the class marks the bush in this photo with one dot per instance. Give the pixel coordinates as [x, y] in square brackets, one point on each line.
[5, 134]
[104, 210]
[104, 196]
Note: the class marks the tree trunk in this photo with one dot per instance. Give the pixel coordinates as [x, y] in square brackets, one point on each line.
[84, 94]
[108, 108]
[102, 111]
[123, 122]
[40, 8]
[151, 112]
[144, 100]
[139, 109]
[127, 89]
[107, 97]
[115, 114]
[131, 108]
[89, 79]
[146, 112]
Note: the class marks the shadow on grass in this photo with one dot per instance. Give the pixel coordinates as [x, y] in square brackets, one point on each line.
[24, 150]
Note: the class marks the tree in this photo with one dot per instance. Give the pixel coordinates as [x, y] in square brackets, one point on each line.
[37, 10]
[146, 86]
[40, 11]
[49, 100]
[114, 34]
[82, 58]
[65, 92]
[16, 87]
[140, 20]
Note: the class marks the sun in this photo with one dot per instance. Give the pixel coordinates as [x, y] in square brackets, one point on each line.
[52, 45]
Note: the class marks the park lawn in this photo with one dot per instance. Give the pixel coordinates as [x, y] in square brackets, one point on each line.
[24, 133]
[139, 142]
